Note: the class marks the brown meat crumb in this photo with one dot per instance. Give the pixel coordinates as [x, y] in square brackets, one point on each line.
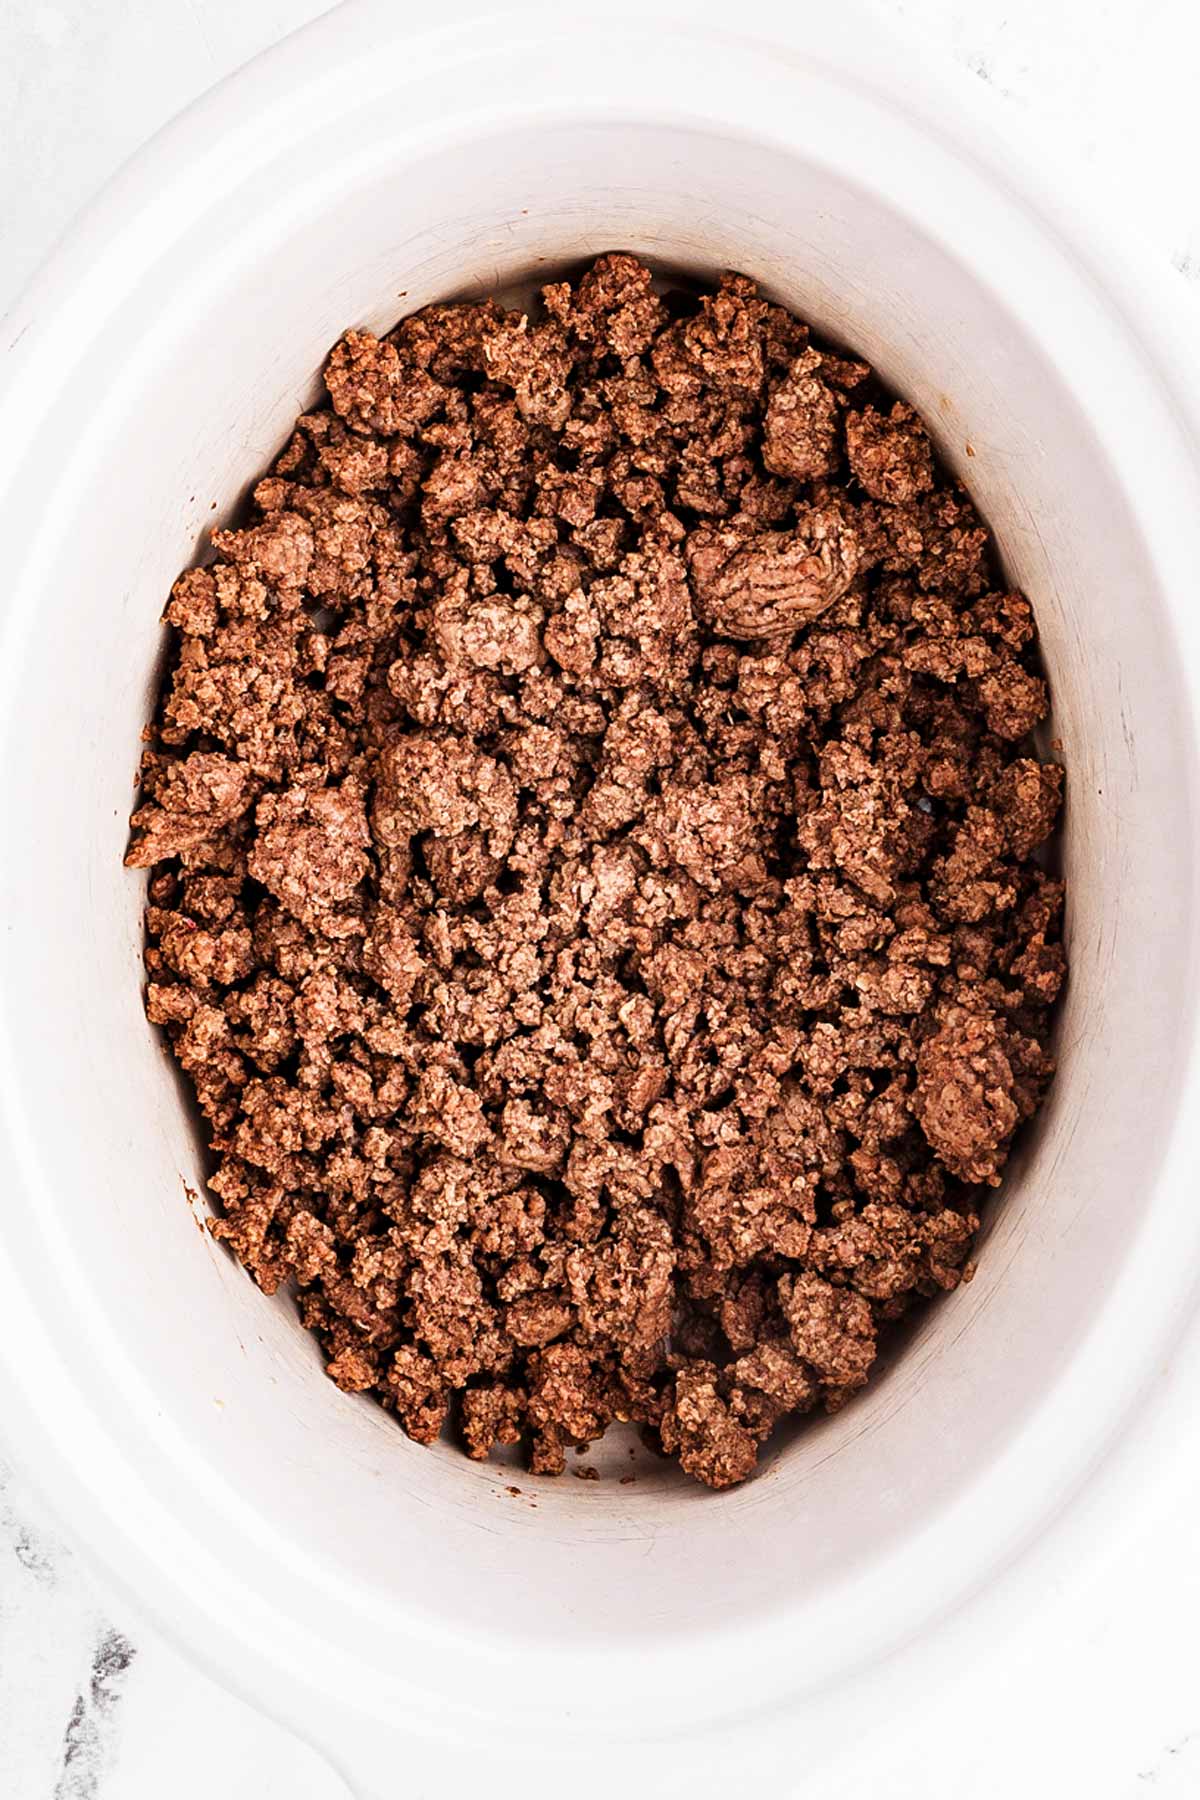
[592, 825]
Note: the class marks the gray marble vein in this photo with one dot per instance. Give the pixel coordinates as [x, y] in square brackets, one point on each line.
[89, 1739]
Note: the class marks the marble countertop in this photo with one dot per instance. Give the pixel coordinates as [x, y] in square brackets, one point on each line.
[1104, 1697]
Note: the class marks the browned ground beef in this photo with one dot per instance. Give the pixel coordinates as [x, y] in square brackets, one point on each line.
[591, 821]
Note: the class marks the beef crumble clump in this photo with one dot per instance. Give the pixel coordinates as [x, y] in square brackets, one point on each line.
[591, 824]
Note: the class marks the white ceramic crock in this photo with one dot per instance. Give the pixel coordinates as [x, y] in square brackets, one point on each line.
[413, 1617]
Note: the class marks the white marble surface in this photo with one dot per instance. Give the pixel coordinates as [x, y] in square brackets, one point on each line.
[1104, 1698]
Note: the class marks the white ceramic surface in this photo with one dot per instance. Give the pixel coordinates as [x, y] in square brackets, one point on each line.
[966, 294]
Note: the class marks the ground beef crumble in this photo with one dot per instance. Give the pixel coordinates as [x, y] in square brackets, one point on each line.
[591, 829]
